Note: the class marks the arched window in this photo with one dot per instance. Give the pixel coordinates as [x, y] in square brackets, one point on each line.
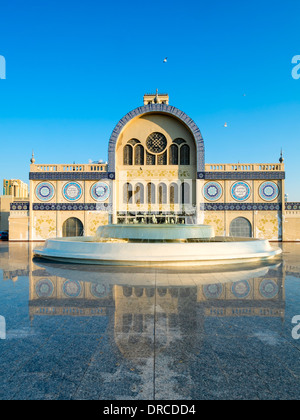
[72, 227]
[185, 155]
[150, 159]
[241, 227]
[185, 193]
[162, 194]
[139, 194]
[127, 157]
[173, 194]
[162, 159]
[173, 155]
[179, 141]
[150, 193]
[127, 193]
[139, 154]
[133, 142]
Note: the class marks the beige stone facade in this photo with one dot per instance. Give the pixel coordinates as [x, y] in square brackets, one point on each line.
[15, 188]
[156, 173]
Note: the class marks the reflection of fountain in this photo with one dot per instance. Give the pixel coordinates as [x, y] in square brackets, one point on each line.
[159, 245]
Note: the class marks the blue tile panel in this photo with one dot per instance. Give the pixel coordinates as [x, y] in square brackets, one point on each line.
[19, 206]
[70, 176]
[241, 207]
[292, 206]
[72, 206]
[240, 175]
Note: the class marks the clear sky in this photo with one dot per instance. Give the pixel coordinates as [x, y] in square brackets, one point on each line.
[75, 68]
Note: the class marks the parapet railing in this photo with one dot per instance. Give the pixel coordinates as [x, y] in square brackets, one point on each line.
[91, 167]
[248, 167]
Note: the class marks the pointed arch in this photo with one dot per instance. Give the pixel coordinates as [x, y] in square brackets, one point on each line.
[159, 109]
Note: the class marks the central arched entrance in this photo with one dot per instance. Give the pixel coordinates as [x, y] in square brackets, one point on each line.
[72, 227]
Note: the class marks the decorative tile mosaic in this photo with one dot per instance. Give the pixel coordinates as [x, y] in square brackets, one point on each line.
[72, 288]
[213, 291]
[241, 207]
[72, 191]
[45, 191]
[268, 191]
[241, 289]
[292, 206]
[44, 288]
[70, 176]
[240, 191]
[19, 206]
[269, 289]
[240, 175]
[72, 207]
[212, 191]
[100, 191]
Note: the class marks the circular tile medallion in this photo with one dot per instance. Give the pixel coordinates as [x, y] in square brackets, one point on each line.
[212, 291]
[72, 191]
[98, 290]
[72, 288]
[212, 191]
[100, 191]
[44, 288]
[268, 289]
[240, 191]
[241, 289]
[268, 191]
[44, 191]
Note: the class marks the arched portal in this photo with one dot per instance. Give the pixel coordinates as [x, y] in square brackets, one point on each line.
[72, 227]
[241, 227]
[162, 109]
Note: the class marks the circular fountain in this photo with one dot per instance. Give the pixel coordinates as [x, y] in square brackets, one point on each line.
[158, 245]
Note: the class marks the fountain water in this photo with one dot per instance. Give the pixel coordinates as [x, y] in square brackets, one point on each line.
[158, 245]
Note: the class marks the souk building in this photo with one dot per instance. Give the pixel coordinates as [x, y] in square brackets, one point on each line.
[156, 173]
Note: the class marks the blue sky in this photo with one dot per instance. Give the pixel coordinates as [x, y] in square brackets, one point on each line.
[74, 69]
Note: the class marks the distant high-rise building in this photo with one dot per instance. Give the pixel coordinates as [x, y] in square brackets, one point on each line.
[15, 188]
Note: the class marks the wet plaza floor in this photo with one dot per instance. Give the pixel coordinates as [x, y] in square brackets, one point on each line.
[90, 332]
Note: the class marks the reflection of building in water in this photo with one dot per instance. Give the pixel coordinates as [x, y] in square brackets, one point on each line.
[14, 261]
[179, 308]
[173, 312]
[60, 296]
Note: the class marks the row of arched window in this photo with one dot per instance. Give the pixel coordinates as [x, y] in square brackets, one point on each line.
[176, 154]
[160, 194]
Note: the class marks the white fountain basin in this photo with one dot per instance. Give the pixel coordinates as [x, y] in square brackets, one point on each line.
[143, 253]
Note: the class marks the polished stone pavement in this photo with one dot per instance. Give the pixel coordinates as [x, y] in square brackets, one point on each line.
[89, 332]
